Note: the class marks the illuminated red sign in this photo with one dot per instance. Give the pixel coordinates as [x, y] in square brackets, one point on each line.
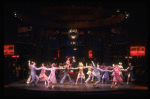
[128, 57]
[15, 56]
[90, 54]
[8, 49]
[137, 51]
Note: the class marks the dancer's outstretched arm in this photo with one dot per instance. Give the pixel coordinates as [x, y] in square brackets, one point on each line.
[57, 68]
[48, 68]
[29, 63]
[93, 63]
[62, 67]
[74, 68]
[123, 69]
[40, 68]
[105, 70]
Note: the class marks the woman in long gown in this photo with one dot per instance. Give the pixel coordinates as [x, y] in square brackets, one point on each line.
[42, 75]
[52, 76]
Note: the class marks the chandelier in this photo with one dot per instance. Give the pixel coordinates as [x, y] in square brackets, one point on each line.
[73, 34]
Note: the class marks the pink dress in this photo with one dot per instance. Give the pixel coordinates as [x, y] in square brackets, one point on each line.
[42, 75]
[116, 76]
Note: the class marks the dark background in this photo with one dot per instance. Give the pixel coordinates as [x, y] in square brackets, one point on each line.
[136, 24]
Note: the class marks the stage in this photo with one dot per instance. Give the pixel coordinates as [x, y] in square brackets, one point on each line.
[67, 86]
[21, 89]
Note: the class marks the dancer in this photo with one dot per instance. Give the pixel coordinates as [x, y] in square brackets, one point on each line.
[73, 63]
[52, 77]
[42, 75]
[121, 67]
[116, 75]
[90, 68]
[96, 73]
[28, 80]
[68, 62]
[92, 73]
[33, 73]
[80, 74]
[105, 74]
[66, 71]
[130, 72]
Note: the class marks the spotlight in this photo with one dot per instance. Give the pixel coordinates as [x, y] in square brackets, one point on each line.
[72, 42]
[73, 36]
[15, 13]
[75, 49]
[118, 10]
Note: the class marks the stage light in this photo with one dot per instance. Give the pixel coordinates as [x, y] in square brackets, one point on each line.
[72, 42]
[118, 10]
[75, 49]
[73, 36]
[127, 15]
[15, 13]
[130, 56]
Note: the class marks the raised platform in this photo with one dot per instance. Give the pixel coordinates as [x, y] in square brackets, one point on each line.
[21, 89]
[67, 86]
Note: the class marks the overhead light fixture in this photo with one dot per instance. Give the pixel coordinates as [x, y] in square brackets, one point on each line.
[118, 10]
[73, 34]
[72, 42]
[15, 13]
[75, 49]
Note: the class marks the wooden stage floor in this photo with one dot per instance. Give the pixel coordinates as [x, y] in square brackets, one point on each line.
[21, 89]
[67, 86]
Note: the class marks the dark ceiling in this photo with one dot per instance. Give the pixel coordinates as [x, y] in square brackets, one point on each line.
[136, 24]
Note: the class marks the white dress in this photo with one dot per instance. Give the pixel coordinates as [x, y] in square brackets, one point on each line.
[81, 74]
[52, 76]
